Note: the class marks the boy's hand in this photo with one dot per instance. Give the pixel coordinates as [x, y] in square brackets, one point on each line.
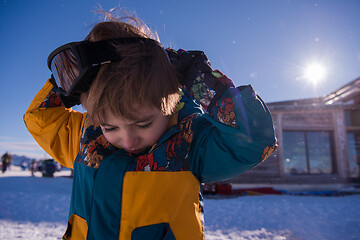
[197, 76]
[193, 64]
[189, 64]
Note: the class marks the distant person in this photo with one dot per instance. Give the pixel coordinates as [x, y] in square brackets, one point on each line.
[158, 124]
[6, 161]
[23, 165]
[33, 167]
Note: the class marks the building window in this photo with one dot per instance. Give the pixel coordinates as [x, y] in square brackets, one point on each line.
[307, 152]
[354, 153]
[352, 117]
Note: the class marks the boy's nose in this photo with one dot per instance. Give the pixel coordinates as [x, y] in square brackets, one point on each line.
[129, 141]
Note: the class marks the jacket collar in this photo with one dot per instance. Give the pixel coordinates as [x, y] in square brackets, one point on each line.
[185, 107]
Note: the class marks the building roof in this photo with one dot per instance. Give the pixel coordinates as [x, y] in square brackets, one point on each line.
[347, 94]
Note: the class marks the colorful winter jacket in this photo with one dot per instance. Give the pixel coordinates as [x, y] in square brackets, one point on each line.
[154, 195]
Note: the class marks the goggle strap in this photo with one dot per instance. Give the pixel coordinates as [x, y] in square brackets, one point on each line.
[69, 101]
[95, 53]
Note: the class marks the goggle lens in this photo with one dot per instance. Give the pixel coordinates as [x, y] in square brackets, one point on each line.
[65, 69]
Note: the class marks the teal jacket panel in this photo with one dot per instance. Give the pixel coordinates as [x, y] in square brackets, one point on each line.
[107, 194]
[82, 190]
[222, 151]
[160, 231]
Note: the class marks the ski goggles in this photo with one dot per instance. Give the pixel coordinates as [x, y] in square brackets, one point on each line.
[75, 65]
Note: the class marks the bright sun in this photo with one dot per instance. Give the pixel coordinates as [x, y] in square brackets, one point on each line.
[315, 73]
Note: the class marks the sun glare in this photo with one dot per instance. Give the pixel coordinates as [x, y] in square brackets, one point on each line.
[315, 73]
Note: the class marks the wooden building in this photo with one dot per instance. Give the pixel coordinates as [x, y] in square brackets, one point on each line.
[319, 141]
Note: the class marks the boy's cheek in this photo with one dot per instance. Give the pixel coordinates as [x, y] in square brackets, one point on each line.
[108, 137]
[112, 142]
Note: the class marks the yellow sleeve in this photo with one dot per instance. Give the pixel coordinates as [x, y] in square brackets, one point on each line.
[56, 129]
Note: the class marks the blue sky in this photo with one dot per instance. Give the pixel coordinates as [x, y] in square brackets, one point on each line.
[267, 43]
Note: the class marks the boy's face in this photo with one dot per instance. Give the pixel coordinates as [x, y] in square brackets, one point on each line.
[134, 135]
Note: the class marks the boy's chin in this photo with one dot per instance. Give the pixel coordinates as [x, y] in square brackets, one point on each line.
[137, 151]
[134, 151]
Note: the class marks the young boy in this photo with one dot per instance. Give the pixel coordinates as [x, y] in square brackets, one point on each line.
[158, 124]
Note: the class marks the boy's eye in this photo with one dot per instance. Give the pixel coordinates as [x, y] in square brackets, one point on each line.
[109, 129]
[145, 126]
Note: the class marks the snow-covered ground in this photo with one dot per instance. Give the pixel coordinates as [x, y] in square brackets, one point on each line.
[37, 208]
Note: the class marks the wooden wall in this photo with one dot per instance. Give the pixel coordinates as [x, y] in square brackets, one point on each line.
[294, 118]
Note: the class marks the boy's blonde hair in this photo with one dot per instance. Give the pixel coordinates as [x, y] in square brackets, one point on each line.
[144, 77]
